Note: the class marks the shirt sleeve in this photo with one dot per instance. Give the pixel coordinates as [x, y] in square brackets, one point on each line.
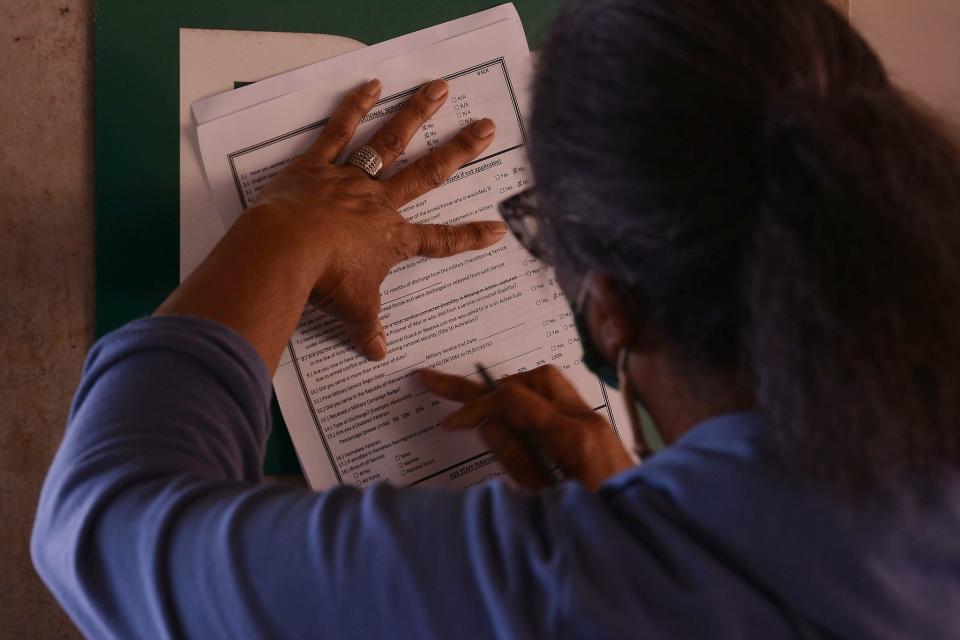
[152, 521]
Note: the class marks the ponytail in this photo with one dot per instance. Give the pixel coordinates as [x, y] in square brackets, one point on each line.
[851, 284]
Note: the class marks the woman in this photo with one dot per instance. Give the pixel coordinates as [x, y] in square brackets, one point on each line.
[759, 232]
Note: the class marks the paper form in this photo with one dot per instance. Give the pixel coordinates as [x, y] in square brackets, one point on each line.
[357, 422]
[223, 104]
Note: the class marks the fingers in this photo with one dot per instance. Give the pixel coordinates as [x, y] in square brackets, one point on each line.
[547, 381]
[369, 336]
[441, 240]
[496, 435]
[339, 129]
[553, 385]
[390, 141]
[432, 170]
[451, 387]
[505, 445]
[511, 403]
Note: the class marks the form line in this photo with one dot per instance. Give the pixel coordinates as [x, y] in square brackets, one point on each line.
[383, 304]
[504, 331]
[497, 364]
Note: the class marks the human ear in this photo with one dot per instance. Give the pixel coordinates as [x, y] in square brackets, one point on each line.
[608, 317]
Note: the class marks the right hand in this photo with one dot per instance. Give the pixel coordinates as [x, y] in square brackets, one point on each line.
[545, 404]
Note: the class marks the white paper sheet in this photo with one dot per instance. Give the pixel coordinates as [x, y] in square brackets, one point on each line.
[357, 422]
[231, 101]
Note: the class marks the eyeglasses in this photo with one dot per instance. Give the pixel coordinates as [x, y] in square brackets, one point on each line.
[520, 212]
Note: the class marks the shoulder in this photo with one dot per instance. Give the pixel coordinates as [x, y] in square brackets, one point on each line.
[632, 556]
[648, 544]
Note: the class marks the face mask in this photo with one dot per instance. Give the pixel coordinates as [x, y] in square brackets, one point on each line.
[616, 378]
[592, 358]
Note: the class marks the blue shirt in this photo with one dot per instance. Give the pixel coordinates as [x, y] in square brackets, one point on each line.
[153, 522]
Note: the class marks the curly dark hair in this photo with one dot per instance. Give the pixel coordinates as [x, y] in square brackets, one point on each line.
[747, 169]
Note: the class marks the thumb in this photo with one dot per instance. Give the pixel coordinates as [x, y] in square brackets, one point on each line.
[369, 337]
[441, 240]
[361, 321]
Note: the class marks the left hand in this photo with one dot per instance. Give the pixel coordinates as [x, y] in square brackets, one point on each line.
[353, 233]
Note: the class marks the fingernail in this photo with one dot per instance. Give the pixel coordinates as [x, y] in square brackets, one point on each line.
[426, 375]
[436, 89]
[483, 128]
[497, 228]
[377, 348]
[372, 88]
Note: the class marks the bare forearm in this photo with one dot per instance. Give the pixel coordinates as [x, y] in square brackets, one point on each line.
[256, 281]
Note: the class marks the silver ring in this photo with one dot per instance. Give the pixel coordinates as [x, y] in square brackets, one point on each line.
[367, 159]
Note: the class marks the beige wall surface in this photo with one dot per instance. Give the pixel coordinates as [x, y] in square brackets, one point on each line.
[920, 44]
[46, 296]
[46, 239]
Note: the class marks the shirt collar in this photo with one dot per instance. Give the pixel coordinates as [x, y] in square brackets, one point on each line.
[733, 432]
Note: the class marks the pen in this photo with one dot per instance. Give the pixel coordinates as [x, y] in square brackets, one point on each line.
[548, 468]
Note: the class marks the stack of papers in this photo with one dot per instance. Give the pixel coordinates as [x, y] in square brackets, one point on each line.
[353, 421]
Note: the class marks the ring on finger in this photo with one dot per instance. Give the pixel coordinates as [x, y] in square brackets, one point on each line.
[367, 159]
